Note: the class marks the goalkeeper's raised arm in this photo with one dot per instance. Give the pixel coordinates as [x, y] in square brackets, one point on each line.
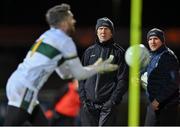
[77, 71]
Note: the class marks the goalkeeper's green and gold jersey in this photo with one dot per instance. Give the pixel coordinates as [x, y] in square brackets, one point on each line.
[43, 58]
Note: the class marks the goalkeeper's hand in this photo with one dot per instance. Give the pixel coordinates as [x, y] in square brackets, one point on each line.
[105, 66]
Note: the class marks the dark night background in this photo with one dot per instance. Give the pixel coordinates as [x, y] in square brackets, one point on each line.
[22, 21]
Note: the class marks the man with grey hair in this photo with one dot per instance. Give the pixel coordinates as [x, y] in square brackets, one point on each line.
[53, 51]
[162, 82]
[101, 94]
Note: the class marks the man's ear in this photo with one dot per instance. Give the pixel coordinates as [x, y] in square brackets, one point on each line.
[63, 25]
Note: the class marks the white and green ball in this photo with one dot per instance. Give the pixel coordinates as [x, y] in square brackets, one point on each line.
[144, 55]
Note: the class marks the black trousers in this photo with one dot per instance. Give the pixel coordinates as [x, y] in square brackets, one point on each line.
[16, 116]
[167, 116]
[62, 120]
[99, 117]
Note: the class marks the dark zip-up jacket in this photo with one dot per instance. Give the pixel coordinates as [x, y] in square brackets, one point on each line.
[163, 74]
[109, 86]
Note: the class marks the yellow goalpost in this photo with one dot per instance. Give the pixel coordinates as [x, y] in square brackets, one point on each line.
[134, 87]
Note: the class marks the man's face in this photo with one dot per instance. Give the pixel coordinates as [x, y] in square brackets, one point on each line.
[70, 24]
[154, 43]
[104, 33]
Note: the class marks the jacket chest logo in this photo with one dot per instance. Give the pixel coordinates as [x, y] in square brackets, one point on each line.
[93, 55]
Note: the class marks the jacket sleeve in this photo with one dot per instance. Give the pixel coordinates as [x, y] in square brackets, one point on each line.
[169, 68]
[122, 80]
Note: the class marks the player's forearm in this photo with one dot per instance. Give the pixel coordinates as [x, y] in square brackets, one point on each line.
[78, 71]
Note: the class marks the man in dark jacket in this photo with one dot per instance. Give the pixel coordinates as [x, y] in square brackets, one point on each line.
[101, 94]
[163, 86]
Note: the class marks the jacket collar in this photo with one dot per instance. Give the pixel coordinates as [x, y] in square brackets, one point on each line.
[161, 49]
[105, 44]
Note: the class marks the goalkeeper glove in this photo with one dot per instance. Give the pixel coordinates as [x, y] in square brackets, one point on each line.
[105, 66]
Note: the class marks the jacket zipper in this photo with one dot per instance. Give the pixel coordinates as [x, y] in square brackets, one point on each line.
[98, 76]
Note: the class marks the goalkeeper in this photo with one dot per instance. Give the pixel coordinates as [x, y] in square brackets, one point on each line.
[53, 51]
